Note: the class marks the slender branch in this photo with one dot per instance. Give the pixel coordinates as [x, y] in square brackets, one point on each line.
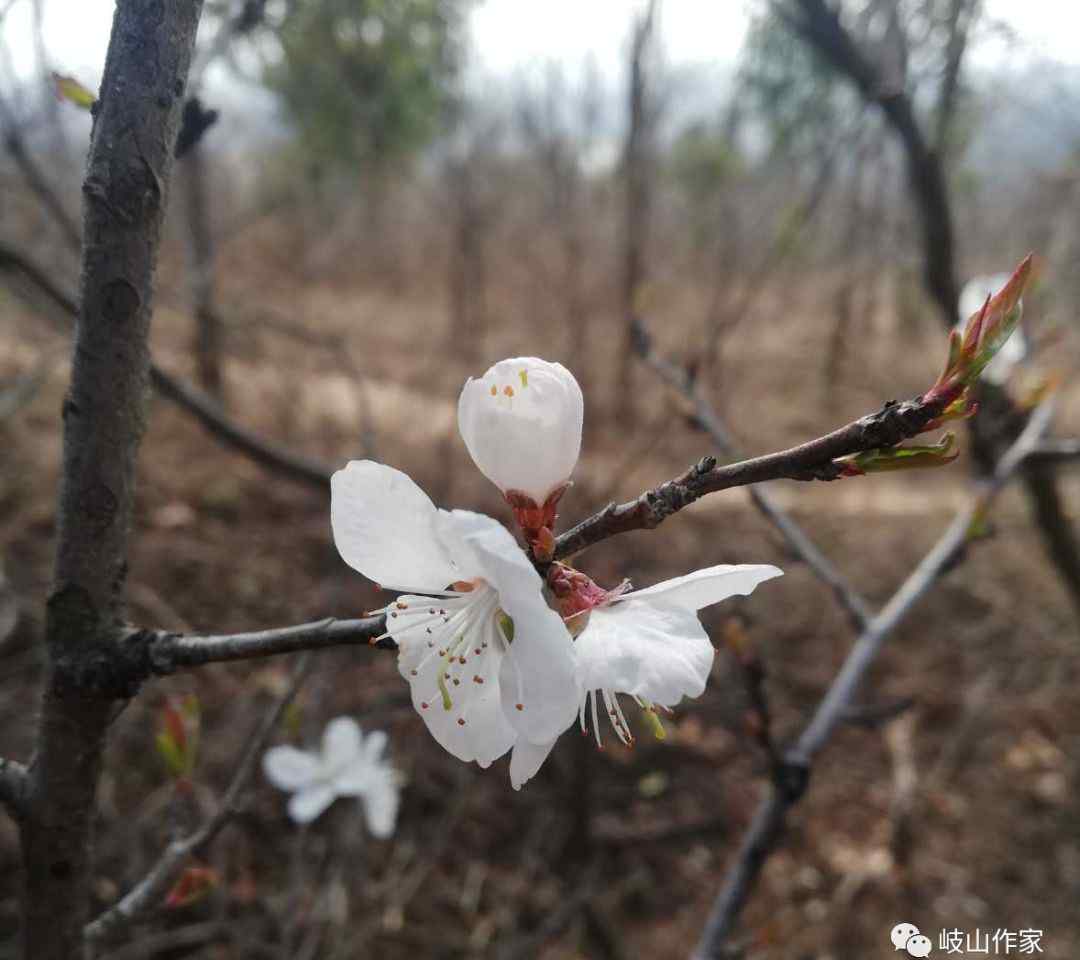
[35, 179]
[708, 420]
[1055, 452]
[206, 411]
[13, 787]
[165, 653]
[229, 433]
[148, 892]
[768, 822]
[814, 460]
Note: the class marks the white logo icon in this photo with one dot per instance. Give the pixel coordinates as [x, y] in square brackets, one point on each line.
[906, 936]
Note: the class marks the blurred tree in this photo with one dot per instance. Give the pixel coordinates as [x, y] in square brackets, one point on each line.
[797, 98]
[365, 81]
[702, 162]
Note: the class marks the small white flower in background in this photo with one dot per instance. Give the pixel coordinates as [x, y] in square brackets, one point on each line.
[647, 644]
[1013, 350]
[347, 765]
[490, 664]
[521, 422]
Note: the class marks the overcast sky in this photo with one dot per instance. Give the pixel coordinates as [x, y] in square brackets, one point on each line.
[510, 34]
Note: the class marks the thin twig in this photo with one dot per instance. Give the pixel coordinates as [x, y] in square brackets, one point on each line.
[708, 420]
[814, 460]
[165, 653]
[35, 179]
[147, 893]
[288, 464]
[765, 830]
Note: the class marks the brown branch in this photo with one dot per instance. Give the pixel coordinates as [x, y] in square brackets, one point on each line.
[35, 179]
[205, 410]
[229, 433]
[125, 193]
[708, 420]
[767, 825]
[814, 460]
[159, 653]
[148, 892]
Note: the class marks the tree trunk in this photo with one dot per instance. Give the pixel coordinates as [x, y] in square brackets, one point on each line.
[130, 162]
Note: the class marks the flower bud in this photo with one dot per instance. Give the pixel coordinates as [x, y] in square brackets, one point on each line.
[521, 422]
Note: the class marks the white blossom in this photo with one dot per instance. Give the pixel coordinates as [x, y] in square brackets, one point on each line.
[348, 764]
[490, 665]
[649, 645]
[521, 422]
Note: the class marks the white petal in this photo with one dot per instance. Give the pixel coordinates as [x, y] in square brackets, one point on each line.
[341, 743]
[525, 760]
[462, 627]
[381, 806]
[288, 768]
[521, 423]
[702, 588]
[374, 745]
[365, 767]
[538, 672]
[306, 805]
[383, 527]
[654, 651]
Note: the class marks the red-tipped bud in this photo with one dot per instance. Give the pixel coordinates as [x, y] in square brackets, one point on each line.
[986, 330]
[177, 738]
[194, 884]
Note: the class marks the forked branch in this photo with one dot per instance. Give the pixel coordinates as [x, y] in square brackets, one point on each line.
[766, 828]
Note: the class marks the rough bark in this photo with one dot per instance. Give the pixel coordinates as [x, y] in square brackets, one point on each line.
[104, 413]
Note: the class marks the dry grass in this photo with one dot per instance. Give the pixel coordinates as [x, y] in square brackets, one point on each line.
[990, 838]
